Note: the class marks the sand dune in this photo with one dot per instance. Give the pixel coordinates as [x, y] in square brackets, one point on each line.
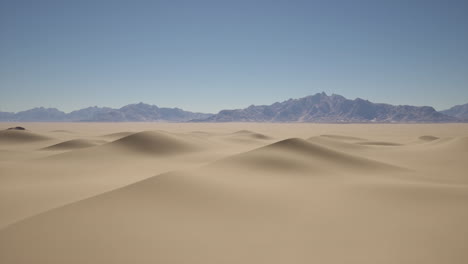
[20, 136]
[337, 144]
[251, 134]
[73, 144]
[268, 193]
[456, 145]
[203, 133]
[298, 154]
[247, 137]
[61, 131]
[153, 142]
[118, 135]
[146, 144]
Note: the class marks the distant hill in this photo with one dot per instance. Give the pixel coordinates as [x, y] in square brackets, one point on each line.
[330, 109]
[458, 111]
[130, 113]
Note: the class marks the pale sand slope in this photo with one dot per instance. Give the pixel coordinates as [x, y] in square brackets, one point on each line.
[234, 193]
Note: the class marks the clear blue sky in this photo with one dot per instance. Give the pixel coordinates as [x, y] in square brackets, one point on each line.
[211, 55]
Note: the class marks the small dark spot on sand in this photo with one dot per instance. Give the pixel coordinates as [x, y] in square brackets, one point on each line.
[16, 128]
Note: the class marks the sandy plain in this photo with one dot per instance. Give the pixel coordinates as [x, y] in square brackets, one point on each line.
[233, 193]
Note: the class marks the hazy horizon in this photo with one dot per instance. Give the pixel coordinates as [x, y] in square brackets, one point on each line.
[163, 106]
[206, 56]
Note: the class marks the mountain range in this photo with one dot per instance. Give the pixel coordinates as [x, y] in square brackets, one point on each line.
[319, 108]
[458, 111]
[130, 113]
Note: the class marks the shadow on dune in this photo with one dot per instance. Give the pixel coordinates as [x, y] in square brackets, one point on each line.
[379, 143]
[250, 134]
[339, 137]
[74, 144]
[428, 138]
[118, 135]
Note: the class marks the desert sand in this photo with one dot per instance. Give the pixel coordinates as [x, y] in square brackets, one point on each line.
[233, 193]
